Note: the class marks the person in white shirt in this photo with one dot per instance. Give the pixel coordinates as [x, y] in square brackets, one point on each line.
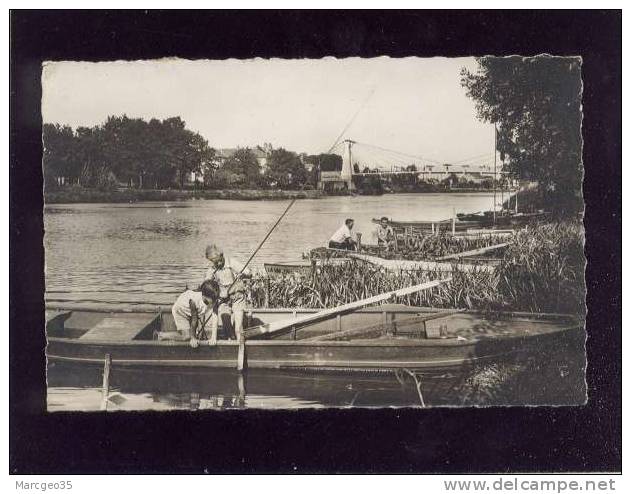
[343, 238]
[232, 299]
[385, 235]
[194, 315]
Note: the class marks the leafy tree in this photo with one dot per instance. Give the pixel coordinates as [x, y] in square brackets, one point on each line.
[92, 155]
[60, 159]
[286, 169]
[536, 104]
[242, 168]
[326, 162]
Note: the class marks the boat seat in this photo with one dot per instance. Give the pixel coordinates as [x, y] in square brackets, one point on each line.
[121, 327]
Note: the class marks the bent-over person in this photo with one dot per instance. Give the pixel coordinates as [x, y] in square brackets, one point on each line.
[194, 315]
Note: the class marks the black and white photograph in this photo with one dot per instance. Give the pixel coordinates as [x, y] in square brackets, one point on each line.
[250, 246]
[314, 233]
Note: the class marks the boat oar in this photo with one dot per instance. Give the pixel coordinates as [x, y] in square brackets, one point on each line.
[288, 323]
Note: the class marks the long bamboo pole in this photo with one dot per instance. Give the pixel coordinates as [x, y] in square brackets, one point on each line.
[474, 252]
[495, 173]
[236, 278]
[323, 314]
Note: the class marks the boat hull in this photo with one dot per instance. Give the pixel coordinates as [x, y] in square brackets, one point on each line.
[288, 354]
[443, 340]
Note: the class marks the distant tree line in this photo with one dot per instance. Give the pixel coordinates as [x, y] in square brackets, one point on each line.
[154, 154]
[161, 154]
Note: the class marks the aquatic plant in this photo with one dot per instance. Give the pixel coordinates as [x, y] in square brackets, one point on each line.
[541, 271]
[428, 247]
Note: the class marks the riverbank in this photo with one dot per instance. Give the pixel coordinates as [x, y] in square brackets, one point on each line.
[70, 195]
[75, 194]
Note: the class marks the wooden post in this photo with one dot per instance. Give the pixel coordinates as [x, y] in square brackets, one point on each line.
[494, 172]
[105, 391]
[359, 241]
[242, 387]
[241, 362]
[453, 221]
[266, 294]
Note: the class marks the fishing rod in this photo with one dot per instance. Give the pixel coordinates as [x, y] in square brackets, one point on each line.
[262, 242]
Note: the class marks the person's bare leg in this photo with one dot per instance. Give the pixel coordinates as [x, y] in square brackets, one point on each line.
[238, 310]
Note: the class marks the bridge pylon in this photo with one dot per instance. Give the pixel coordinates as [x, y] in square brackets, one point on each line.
[347, 165]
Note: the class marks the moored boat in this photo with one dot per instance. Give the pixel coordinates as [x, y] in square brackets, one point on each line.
[467, 221]
[374, 338]
[305, 267]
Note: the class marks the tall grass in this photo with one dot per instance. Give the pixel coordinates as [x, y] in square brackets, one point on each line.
[541, 271]
[432, 246]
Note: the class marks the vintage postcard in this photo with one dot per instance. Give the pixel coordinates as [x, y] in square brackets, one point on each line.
[308, 233]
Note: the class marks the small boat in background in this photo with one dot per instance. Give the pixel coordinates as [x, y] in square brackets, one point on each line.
[301, 267]
[464, 222]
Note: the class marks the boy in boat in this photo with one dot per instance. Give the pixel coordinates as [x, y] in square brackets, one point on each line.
[228, 274]
[385, 234]
[194, 315]
[343, 238]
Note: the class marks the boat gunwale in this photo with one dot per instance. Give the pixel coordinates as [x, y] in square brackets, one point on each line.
[379, 343]
[405, 309]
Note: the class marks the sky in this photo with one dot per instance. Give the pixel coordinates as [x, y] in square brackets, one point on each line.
[414, 106]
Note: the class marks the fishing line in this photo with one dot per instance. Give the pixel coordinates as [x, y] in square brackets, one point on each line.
[352, 120]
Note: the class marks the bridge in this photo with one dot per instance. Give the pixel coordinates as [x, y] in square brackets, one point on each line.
[373, 161]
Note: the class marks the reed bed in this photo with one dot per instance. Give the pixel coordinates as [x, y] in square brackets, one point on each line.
[428, 247]
[541, 271]
[331, 285]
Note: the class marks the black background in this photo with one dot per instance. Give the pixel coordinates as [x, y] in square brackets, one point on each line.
[437, 440]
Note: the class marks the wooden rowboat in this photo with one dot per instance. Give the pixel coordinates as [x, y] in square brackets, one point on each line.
[375, 338]
[465, 222]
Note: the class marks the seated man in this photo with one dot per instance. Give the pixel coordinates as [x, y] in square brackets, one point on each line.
[343, 238]
[385, 235]
[195, 315]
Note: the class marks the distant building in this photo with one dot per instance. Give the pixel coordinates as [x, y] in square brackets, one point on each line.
[473, 177]
[332, 181]
[261, 153]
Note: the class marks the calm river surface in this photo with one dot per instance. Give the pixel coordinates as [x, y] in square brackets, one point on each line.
[147, 252]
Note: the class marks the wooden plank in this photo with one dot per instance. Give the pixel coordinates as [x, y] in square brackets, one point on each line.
[473, 252]
[404, 264]
[119, 326]
[326, 313]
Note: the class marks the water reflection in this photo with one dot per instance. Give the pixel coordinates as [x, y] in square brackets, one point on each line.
[554, 377]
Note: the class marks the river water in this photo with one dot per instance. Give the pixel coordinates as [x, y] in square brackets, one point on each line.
[148, 252]
[132, 253]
